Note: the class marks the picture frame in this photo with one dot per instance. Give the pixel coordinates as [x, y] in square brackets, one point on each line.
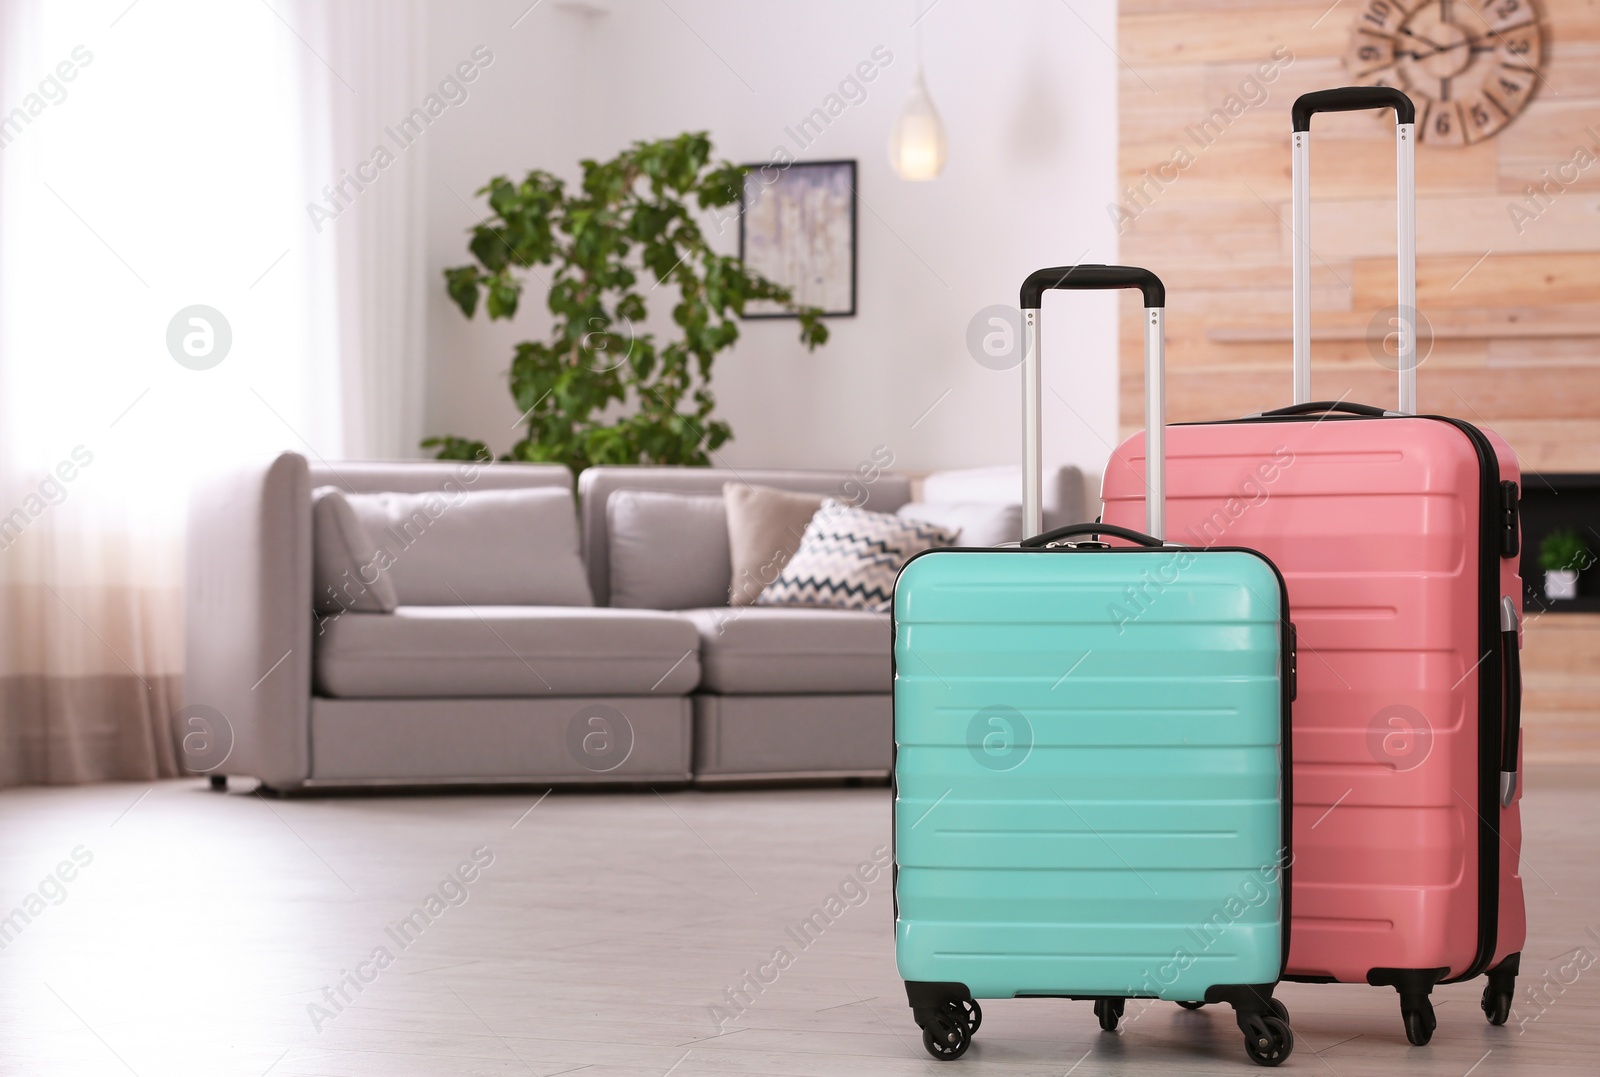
[797, 228]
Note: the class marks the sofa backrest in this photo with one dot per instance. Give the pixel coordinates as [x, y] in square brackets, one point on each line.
[886, 493]
[452, 532]
[427, 476]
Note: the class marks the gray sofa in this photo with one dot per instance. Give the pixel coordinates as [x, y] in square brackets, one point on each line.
[428, 693]
[493, 690]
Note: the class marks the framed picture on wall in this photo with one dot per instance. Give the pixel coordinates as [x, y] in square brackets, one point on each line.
[797, 228]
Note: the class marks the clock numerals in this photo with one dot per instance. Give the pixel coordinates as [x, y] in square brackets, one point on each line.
[1502, 15]
[1382, 16]
[1443, 126]
[1369, 52]
[1509, 87]
[1482, 117]
[1469, 65]
[1517, 48]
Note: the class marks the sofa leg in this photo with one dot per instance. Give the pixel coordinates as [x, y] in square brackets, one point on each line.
[219, 783]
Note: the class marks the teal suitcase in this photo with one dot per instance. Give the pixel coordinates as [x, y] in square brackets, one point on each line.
[1092, 759]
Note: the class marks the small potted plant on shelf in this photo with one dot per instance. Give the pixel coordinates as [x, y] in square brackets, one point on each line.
[1562, 555]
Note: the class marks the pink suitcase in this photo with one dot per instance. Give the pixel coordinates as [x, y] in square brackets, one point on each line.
[1398, 536]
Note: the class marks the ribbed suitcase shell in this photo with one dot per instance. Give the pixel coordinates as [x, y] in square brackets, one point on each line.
[1134, 849]
[1377, 526]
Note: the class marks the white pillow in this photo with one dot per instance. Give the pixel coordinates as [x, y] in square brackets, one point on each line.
[346, 565]
[848, 559]
[482, 547]
[667, 551]
[976, 523]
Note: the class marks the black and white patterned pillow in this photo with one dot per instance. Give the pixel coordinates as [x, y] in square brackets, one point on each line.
[848, 559]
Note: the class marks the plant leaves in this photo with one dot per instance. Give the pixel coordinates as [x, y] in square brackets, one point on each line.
[599, 388]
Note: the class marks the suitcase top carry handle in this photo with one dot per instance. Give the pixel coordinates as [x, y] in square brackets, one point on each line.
[1346, 99]
[1352, 99]
[1314, 406]
[1095, 278]
[1060, 533]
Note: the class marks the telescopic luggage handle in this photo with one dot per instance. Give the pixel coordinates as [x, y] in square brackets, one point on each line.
[1095, 278]
[1352, 99]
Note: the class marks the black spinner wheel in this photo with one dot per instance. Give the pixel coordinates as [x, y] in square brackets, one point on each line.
[1269, 1041]
[1109, 1011]
[949, 1034]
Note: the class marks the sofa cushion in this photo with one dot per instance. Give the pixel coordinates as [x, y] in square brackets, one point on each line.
[849, 559]
[455, 651]
[346, 565]
[767, 650]
[974, 523]
[668, 551]
[765, 526]
[489, 547]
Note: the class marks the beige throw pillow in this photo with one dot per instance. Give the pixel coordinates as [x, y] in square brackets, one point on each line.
[765, 525]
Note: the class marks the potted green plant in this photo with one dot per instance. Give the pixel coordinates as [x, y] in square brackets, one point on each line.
[603, 387]
[1562, 555]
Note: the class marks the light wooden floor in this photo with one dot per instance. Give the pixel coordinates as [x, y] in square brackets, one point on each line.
[601, 935]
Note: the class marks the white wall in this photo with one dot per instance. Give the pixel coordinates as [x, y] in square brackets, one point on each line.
[1028, 97]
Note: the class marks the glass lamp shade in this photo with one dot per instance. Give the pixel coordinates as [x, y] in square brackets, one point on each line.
[916, 145]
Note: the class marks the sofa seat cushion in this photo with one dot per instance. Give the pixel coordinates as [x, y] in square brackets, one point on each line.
[458, 651]
[755, 650]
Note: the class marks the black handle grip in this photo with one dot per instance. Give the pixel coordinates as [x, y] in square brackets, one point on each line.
[1353, 99]
[1311, 407]
[1511, 739]
[1059, 533]
[1093, 277]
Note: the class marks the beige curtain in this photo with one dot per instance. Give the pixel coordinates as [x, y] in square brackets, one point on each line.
[165, 305]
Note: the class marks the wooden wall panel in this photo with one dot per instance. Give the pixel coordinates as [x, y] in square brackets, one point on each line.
[1515, 304]
[1561, 681]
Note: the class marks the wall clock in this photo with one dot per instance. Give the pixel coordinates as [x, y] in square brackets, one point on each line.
[1470, 65]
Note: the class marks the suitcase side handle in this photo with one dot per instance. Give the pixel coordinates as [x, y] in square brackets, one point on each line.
[1059, 533]
[1510, 741]
[1352, 99]
[1094, 278]
[1345, 99]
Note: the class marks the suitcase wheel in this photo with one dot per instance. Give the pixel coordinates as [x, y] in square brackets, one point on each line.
[949, 1034]
[973, 1015]
[1498, 992]
[1420, 1021]
[1191, 1005]
[1496, 1005]
[1268, 1040]
[1109, 1010]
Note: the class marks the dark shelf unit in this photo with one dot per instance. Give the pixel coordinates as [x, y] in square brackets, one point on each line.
[1553, 500]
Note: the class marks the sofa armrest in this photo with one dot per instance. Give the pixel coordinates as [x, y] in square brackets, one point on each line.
[248, 614]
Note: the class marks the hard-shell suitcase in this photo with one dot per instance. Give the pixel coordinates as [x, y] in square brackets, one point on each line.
[1091, 768]
[1398, 535]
